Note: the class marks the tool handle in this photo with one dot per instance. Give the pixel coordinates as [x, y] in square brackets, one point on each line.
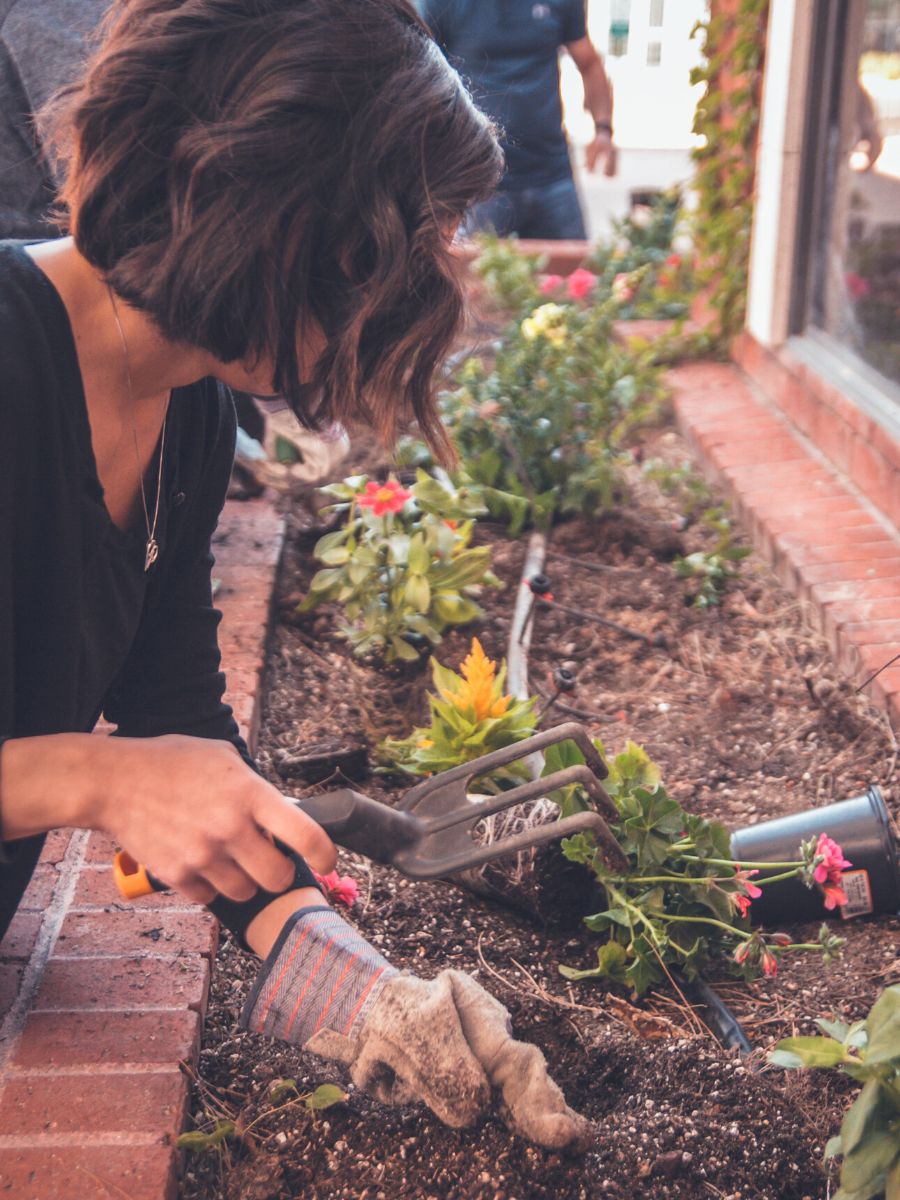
[353, 820]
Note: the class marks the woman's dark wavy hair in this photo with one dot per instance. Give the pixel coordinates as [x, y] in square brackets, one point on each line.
[237, 167]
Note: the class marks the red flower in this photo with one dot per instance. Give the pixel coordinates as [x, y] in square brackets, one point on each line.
[834, 895]
[340, 889]
[742, 904]
[743, 950]
[674, 260]
[581, 283]
[383, 497]
[550, 284]
[749, 891]
[768, 962]
[858, 287]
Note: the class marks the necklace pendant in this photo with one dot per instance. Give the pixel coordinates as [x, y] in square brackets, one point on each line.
[152, 553]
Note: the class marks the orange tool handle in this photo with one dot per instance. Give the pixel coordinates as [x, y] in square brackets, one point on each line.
[132, 879]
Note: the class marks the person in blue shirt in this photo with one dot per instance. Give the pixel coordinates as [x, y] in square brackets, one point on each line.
[508, 51]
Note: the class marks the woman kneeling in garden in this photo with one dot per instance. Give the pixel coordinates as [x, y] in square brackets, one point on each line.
[262, 195]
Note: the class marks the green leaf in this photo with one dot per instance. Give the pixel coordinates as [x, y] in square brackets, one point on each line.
[325, 1095]
[281, 1088]
[418, 593]
[860, 1116]
[836, 1029]
[892, 1190]
[419, 555]
[404, 650]
[198, 1142]
[611, 959]
[286, 452]
[454, 610]
[323, 580]
[883, 1028]
[785, 1059]
[869, 1163]
[335, 556]
[814, 1051]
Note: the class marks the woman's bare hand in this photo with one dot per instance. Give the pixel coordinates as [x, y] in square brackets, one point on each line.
[199, 819]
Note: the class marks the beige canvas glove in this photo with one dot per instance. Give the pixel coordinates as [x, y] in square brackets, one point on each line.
[445, 1042]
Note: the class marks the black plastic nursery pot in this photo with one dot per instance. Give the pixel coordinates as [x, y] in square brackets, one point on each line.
[862, 829]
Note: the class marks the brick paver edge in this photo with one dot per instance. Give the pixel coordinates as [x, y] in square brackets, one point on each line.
[100, 1002]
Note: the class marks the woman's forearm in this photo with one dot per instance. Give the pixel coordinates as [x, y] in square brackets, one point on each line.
[49, 782]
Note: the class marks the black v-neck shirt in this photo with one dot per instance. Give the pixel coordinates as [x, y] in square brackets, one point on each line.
[83, 629]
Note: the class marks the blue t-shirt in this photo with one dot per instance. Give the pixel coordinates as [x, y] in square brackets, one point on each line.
[508, 51]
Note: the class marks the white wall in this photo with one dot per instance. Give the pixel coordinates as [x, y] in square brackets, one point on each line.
[654, 105]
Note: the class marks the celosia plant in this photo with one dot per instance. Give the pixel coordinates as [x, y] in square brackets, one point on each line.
[684, 901]
[470, 715]
[401, 565]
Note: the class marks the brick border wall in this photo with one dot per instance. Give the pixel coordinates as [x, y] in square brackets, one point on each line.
[825, 539]
[855, 443]
[101, 1001]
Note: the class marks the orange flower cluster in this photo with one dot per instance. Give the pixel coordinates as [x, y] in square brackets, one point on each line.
[480, 687]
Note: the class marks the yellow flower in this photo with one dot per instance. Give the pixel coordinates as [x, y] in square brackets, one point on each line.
[480, 687]
[548, 321]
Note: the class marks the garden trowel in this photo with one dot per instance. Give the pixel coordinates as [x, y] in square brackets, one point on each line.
[433, 832]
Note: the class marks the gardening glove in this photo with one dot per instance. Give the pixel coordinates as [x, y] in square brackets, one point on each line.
[446, 1042]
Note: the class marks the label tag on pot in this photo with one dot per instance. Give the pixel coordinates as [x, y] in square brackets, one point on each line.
[859, 894]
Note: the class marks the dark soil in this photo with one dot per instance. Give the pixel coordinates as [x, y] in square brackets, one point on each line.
[748, 718]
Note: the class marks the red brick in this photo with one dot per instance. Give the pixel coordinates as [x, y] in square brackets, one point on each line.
[124, 983]
[97, 933]
[846, 550]
[147, 1102]
[89, 1039]
[56, 845]
[10, 978]
[101, 848]
[95, 888]
[837, 615]
[851, 591]
[881, 568]
[72, 1172]
[39, 892]
[18, 941]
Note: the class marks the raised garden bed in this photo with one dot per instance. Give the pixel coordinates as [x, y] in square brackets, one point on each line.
[748, 719]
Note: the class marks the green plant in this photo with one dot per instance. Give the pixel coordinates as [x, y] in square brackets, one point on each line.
[684, 900]
[640, 266]
[726, 120]
[470, 715]
[868, 1051]
[401, 566]
[712, 569]
[510, 275]
[220, 1130]
[551, 420]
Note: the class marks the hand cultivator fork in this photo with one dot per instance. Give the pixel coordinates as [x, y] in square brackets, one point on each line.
[433, 831]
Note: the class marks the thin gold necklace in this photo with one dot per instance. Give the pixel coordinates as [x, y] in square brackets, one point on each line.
[151, 551]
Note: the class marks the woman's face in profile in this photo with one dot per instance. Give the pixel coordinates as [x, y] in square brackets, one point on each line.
[257, 376]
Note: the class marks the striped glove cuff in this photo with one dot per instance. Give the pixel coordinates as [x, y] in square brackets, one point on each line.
[320, 975]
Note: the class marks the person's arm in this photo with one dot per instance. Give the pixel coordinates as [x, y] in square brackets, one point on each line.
[598, 100]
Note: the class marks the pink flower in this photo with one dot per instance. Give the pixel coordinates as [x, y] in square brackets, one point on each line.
[858, 287]
[621, 288]
[832, 860]
[581, 283]
[834, 895]
[674, 260]
[383, 497]
[749, 891]
[768, 962]
[550, 284]
[742, 904]
[339, 889]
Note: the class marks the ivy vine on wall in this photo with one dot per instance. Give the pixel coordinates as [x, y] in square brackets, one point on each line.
[733, 44]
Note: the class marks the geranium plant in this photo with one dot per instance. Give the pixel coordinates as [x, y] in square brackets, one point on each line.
[868, 1051]
[684, 901]
[470, 715]
[401, 565]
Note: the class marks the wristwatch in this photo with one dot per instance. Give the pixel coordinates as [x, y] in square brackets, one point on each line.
[603, 127]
